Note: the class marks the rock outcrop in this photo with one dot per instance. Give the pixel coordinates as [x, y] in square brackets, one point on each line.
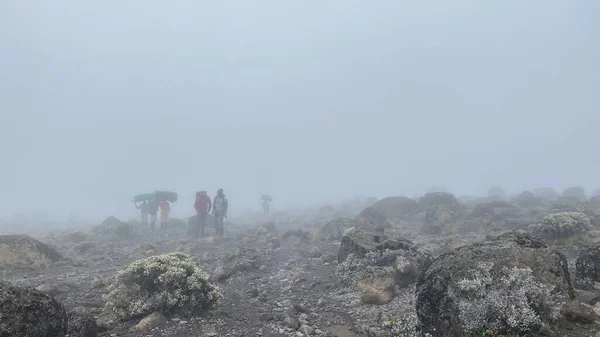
[25, 251]
[587, 268]
[562, 226]
[362, 253]
[28, 312]
[334, 229]
[574, 192]
[81, 324]
[512, 284]
[438, 199]
[371, 220]
[397, 207]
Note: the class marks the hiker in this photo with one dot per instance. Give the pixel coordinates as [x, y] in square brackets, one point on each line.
[266, 205]
[202, 206]
[144, 211]
[165, 209]
[153, 211]
[220, 205]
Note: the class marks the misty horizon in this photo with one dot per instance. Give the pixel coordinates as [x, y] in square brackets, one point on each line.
[310, 104]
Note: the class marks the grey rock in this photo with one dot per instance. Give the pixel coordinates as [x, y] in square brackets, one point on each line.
[439, 293]
[28, 312]
[81, 324]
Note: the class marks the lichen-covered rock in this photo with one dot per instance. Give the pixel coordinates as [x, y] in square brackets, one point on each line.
[574, 192]
[438, 199]
[28, 312]
[334, 229]
[25, 251]
[170, 283]
[81, 324]
[513, 284]
[587, 268]
[370, 219]
[362, 253]
[562, 226]
[397, 207]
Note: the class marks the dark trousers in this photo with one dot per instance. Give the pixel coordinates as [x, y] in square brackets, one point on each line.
[219, 223]
[200, 224]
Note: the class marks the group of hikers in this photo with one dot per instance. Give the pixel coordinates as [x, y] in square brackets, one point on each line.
[203, 205]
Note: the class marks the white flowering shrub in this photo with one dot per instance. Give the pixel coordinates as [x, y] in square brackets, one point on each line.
[355, 268]
[563, 225]
[171, 284]
[513, 302]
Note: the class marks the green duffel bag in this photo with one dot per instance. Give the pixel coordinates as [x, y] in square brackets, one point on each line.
[144, 197]
[166, 196]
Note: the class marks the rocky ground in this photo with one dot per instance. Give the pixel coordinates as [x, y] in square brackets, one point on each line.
[277, 280]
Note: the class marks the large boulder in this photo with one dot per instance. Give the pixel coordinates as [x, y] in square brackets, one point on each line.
[334, 229]
[439, 219]
[370, 219]
[25, 251]
[593, 204]
[563, 226]
[574, 192]
[527, 199]
[438, 199]
[115, 229]
[513, 284]
[362, 253]
[170, 283]
[378, 288]
[28, 312]
[587, 268]
[546, 193]
[494, 215]
[496, 193]
[397, 207]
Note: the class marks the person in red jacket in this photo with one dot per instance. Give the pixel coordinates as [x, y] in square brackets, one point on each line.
[203, 205]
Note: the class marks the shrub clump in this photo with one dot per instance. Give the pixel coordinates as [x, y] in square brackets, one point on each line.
[171, 284]
[511, 303]
[563, 225]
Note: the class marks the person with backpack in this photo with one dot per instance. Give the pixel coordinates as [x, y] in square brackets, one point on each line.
[144, 212]
[220, 205]
[202, 205]
[165, 209]
[153, 212]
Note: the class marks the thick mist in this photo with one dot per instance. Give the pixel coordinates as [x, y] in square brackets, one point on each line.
[309, 102]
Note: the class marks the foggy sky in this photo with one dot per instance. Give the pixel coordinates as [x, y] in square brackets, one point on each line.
[306, 100]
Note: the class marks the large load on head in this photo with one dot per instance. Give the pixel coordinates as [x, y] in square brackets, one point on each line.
[156, 196]
[266, 197]
[165, 196]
